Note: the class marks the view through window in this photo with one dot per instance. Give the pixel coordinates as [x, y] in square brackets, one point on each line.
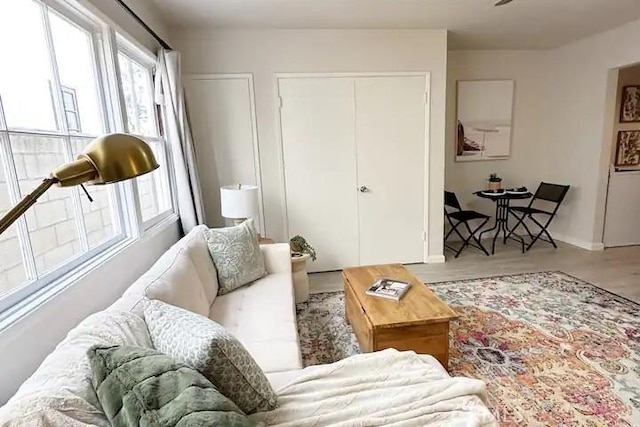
[53, 103]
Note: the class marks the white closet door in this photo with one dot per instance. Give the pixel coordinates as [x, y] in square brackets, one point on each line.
[221, 110]
[390, 135]
[317, 122]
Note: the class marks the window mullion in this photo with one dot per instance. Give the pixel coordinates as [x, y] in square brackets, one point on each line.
[58, 104]
[81, 226]
[127, 191]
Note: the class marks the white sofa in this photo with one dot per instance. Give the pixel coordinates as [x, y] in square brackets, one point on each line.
[261, 315]
[186, 277]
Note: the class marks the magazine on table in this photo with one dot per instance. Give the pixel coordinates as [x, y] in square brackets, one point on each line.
[392, 289]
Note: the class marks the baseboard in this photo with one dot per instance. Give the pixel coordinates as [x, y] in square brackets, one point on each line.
[590, 246]
[435, 259]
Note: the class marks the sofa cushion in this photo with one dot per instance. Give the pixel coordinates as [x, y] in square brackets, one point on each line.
[184, 276]
[195, 245]
[143, 387]
[174, 281]
[208, 347]
[60, 392]
[236, 254]
[262, 316]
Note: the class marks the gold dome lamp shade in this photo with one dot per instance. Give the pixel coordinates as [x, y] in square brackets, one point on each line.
[106, 160]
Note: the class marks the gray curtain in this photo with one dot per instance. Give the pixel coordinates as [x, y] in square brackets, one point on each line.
[170, 95]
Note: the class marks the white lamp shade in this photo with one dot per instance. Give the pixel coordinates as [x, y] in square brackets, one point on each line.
[239, 202]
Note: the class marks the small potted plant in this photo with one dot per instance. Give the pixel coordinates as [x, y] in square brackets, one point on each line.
[495, 182]
[300, 247]
[301, 251]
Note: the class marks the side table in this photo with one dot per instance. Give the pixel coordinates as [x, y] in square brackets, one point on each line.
[300, 277]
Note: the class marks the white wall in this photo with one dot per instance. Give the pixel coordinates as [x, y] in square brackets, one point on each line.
[579, 109]
[528, 69]
[25, 343]
[266, 52]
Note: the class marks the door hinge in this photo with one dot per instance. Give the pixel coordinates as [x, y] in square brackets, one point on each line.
[426, 98]
[424, 236]
[279, 101]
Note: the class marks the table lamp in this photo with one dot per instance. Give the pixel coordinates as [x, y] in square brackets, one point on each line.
[106, 160]
[239, 202]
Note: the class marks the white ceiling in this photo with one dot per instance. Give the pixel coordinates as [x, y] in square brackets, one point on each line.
[474, 24]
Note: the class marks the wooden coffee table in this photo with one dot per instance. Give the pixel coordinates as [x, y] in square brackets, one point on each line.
[418, 322]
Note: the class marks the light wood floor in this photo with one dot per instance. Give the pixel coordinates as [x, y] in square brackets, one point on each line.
[616, 270]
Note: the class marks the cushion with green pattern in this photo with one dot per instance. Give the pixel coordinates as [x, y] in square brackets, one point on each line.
[236, 253]
[142, 387]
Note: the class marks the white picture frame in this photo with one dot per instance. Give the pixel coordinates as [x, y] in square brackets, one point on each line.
[484, 119]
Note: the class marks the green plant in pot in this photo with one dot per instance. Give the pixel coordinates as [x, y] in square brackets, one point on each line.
[495, 182]
[300, 247]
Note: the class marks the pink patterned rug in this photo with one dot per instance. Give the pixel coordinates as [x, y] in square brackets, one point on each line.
[553, 350]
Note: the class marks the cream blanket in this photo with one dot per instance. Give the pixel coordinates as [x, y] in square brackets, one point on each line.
[387, 388]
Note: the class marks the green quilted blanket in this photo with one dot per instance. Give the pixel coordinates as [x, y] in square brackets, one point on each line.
[142, 387]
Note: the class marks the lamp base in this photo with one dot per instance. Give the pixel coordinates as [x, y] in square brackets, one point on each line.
[238, 221]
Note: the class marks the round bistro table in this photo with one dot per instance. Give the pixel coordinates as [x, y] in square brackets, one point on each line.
[502, 202]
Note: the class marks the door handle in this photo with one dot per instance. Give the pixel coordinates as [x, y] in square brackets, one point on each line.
[363, 189]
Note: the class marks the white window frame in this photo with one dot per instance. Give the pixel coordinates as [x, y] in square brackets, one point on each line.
[146, 59]
[123, 196]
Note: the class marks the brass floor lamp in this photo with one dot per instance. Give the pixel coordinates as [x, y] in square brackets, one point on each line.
[108, 159]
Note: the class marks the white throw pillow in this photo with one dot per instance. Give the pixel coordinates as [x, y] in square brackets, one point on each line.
[203, 344]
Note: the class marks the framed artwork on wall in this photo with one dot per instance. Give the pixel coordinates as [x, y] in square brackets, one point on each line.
[628, 148]
[484, 119]
[630, 107]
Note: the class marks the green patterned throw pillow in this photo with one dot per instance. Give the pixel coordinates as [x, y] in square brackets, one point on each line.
[236, 254]
[141, 387]
[205, 345]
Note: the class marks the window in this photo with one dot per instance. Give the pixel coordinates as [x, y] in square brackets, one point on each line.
[70, 107]
[54, 100]
[142, 120]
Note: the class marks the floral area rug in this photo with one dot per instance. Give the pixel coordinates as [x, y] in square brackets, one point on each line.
[552, 349]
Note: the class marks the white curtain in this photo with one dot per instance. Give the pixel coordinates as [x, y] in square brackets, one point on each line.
[170, 95]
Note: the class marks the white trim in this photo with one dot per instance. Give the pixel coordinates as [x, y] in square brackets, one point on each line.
[280, 149]
[436, 259]
[254, 129]
[427, 136]
[590, 246]
[351, 75]
[427, 169]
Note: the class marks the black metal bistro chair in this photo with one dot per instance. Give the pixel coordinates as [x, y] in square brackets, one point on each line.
[457, 217]
[550, 194]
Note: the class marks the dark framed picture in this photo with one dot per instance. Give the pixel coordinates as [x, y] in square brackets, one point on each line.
[628, 148]
[630, 107]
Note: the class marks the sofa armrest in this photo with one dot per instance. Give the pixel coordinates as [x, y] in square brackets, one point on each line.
[277, 257]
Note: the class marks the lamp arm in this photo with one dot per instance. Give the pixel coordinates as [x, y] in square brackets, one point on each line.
[29, 200]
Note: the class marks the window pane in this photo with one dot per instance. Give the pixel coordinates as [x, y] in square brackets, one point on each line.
[72, 121]
[98, 216]
[74, 56]
[68, 100]
[52, 220]
[25, 75]
[12, 271]
[138, 95]
[153, 188]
